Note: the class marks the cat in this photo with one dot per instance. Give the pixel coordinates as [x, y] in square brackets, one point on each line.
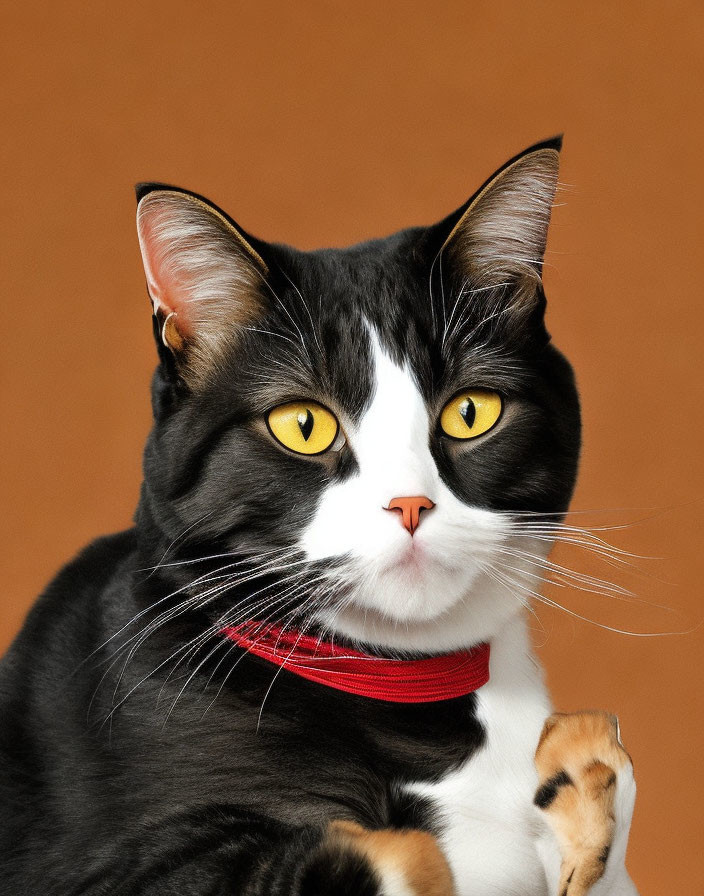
[307, 667]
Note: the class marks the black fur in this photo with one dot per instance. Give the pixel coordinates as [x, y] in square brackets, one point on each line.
[546, 793]
[121, 775]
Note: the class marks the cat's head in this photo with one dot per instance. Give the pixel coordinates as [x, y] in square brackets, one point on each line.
[371, 425]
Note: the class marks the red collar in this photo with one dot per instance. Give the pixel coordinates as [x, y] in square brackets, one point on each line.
[399, 681]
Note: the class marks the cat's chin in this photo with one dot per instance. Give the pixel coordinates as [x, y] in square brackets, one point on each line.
[412, 618]
[410, 583]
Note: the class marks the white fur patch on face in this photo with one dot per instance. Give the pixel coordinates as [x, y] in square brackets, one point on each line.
[426, 591]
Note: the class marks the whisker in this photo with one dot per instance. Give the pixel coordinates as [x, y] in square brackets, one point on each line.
[570, 577]
[307, 310]
[180, 538]
[232, 580]
[273, 680]
[286, 311]
[510, 583]
[226, 619]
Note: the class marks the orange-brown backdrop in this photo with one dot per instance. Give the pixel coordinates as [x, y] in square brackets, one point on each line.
[321, 122]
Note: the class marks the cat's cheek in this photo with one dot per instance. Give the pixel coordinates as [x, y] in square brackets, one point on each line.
[347, 522]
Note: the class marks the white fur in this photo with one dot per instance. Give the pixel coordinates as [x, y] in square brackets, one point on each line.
[431, 592]
[394, 883]
[615, 880]
[486, 805]
[495, 839]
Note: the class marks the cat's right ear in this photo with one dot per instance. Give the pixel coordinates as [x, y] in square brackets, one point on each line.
[203, 276]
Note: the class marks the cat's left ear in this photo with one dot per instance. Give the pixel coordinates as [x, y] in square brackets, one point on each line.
[204, 276]
[499, 235]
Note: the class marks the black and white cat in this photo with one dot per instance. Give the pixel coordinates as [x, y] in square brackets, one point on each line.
[369, 446]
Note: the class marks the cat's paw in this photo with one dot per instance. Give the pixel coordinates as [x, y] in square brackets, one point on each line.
[586, 797]
[403, 862]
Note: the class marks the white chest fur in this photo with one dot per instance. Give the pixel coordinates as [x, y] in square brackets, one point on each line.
[485, 806]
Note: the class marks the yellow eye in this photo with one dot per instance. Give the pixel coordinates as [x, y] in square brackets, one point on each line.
[471, 414]
[303, 426]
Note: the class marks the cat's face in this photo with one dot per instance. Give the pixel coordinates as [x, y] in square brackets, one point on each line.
[374, 422]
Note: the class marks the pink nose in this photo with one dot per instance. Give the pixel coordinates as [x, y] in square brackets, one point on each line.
[410, 510]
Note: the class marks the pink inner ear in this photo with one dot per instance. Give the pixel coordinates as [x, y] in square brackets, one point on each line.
[167, 284]
[199, 270]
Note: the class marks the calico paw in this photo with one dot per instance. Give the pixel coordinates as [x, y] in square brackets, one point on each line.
[586, 797]
[383, 863]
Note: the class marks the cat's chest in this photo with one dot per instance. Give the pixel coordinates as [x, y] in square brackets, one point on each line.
[483, 809]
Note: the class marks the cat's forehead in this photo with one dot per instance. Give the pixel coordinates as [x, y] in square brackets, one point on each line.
[395, 296]
[381, 287]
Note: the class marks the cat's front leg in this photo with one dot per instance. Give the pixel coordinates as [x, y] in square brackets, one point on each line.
[585, 801]
[387, 862]
[226, 850]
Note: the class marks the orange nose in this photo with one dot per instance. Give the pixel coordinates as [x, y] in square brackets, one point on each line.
[410, 509]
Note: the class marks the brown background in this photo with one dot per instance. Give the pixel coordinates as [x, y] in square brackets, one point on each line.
[320, 123]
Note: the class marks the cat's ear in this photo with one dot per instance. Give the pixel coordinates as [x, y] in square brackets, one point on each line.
[499, 236]
[203, 275]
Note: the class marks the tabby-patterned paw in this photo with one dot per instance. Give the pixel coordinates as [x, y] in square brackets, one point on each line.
[404, 862]
[586, 796]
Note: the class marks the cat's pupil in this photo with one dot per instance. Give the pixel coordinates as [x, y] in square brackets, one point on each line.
[305, 423]
[468, 412]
